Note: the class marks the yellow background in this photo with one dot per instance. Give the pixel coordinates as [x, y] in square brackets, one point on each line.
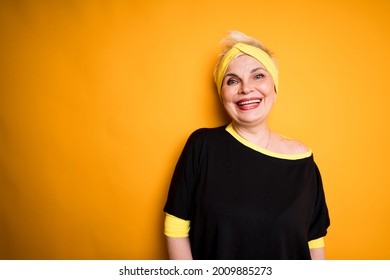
[98, 98]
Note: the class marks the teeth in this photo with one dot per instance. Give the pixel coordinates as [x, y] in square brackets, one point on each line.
[249, 102]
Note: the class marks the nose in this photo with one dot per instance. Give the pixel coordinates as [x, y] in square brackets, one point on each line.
[246, 88]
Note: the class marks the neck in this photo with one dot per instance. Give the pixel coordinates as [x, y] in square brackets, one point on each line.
[259, 135]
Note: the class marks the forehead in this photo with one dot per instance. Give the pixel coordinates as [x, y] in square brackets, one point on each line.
[242, 62]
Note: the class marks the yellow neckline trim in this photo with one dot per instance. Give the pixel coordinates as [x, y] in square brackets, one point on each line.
[245, 142]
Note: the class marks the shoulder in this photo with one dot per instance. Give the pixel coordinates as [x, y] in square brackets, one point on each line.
[290, 146]
[205, 139]
[208, 133]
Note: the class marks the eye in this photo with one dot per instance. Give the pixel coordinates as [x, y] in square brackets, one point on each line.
[231, 81]
[259, 76]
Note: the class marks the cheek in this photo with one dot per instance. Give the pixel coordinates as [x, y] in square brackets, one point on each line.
[227, 94]
[229, 108]
[271, 96]
[267, 89]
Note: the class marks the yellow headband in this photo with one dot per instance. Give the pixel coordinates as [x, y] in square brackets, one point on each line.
[255, 52]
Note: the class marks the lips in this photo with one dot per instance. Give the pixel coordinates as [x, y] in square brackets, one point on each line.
[249, 103]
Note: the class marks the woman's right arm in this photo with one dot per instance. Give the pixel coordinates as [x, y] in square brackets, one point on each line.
[179, 248]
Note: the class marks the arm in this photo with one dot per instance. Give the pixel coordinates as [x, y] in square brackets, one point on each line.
[317, 253]
[176, 231]
[179, 248]
[317, 249]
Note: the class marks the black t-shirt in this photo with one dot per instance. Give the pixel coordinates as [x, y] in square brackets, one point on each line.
[244, 203]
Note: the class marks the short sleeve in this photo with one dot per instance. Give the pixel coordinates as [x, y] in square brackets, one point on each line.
[317, 243]
[184, 180]
[176, 227]
[320, 217]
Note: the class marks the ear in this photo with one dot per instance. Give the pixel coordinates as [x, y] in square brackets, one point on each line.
[276, 94]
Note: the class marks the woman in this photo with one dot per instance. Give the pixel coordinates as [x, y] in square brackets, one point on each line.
[242, 191]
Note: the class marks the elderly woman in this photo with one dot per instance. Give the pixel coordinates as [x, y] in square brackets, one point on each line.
[242, 191]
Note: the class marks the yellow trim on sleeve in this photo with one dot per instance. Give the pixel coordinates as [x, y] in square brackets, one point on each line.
[176, 227]
[245, 142]
[317, 243]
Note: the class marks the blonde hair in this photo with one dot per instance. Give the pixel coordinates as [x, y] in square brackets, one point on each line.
[235, 37]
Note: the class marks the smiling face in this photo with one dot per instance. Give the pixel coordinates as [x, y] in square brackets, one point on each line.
[248, 91]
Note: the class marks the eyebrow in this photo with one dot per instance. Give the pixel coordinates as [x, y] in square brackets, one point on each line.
[252, 71]
[258, 68]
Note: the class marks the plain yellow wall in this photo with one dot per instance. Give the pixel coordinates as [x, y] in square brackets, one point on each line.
[98, 97]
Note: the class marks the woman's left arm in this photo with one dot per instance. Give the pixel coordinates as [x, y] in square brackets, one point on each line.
[317, 253]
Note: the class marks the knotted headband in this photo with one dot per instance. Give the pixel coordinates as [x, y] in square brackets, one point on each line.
[255, 52]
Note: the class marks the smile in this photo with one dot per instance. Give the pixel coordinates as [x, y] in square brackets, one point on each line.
[248, 102]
